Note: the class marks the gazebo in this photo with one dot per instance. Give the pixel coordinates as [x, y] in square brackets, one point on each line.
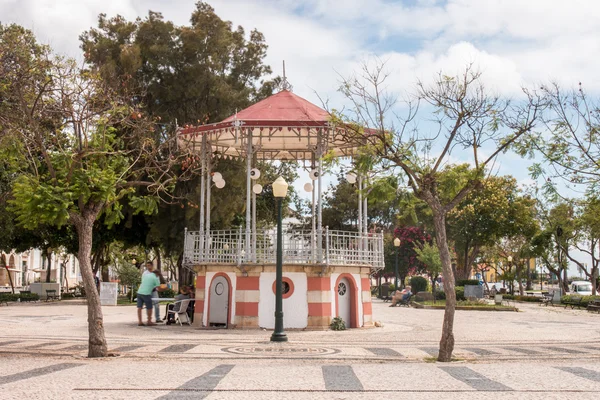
[326, 273]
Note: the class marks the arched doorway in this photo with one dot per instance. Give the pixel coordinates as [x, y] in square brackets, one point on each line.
[218, 302]
[346, 301]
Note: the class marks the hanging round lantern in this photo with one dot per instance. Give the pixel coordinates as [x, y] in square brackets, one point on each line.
[314, 174]
[216, 176]
[257, 189]
[308, 187]
[220, 184]
[351, 177]
[254, 173]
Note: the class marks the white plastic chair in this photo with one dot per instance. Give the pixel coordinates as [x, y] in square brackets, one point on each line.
[181, 313]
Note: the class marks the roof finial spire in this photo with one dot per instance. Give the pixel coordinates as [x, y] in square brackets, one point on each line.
[284, 84]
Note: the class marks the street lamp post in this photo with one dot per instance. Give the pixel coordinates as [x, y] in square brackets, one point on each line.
[279, 191]
[397, 246]
[509, 259]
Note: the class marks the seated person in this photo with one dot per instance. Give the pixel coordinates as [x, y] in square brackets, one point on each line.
[183, 295]
[403, 295]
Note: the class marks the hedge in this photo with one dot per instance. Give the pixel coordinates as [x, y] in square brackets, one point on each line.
[465, 282]
[418, 284]
[459, 290]
[584, 301]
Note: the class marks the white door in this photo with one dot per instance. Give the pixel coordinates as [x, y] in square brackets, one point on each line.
[219, 301]
[343, 298]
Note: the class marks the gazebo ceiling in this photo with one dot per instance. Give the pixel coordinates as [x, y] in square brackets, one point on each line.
[283, 126]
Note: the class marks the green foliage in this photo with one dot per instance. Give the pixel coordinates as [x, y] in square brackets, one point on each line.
[429, 255]
[4, 297]
[460, 293]
[167, 293]
[337, 324]
[128, 274]
[584, 299]
[464, 282]
[418, 284]
[67, 295]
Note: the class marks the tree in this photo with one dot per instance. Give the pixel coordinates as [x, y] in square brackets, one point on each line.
[429, 255]
[497, 209]
[466, 117]
[87, 146]
[193, 74]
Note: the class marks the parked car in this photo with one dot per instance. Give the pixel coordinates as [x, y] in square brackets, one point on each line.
[583, 288]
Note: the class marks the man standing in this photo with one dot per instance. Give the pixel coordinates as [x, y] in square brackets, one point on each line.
[144, 295]
[155, 300]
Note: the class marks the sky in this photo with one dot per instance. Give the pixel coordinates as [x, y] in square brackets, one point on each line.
[514, 43]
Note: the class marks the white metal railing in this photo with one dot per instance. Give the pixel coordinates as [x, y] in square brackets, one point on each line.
[299, 247]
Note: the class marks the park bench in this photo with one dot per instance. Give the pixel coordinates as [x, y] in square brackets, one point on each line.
[26, 298]
[547, 298]
[573, 302]
[594, 305]
[51, 294]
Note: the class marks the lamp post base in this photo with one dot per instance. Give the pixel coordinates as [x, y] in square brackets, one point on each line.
[279, 337]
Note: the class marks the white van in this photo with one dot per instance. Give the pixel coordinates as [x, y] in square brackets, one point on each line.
[583, 288]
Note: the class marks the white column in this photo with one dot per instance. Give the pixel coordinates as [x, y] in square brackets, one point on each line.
[253, 226]
[248, 193]
[360, 218]
[320, 197]
[208, 194]
[313, 236]
[202, 194]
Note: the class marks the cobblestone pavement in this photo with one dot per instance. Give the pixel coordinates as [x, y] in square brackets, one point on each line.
[536, 353]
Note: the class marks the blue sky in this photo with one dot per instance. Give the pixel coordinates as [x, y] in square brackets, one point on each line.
[514, 43]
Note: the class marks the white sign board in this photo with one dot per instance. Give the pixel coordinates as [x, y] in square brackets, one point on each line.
[108, 293]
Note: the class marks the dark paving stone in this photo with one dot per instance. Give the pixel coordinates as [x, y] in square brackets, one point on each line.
[340, 377]
[432, 351]
[40, 345]
[523, 350]
[178, 348]
[582, 372]
[10, 342]
[207, 381]
[76, 347]
[564, 350]
[127, 348]
[481, 352]
[384, 352]
[32, 373]
[475, 379]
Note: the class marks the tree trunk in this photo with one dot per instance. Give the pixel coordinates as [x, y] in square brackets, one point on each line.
[12, 286]
[447, 340]
[97, 342]
[158, 259]
[594, 280]
[49, 270]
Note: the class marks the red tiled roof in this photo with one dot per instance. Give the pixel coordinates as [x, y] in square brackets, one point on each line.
[283, 106]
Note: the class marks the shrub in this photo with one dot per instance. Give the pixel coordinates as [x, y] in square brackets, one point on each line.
[460, 293]
[508, 296]
[391, 287]
[440, 295]
[29, 296]
[337, 324]
[167, 293]
[584, 301]
[531, 299]
[418, 284]
[67, 295]
[465, 282]
[9, 297]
